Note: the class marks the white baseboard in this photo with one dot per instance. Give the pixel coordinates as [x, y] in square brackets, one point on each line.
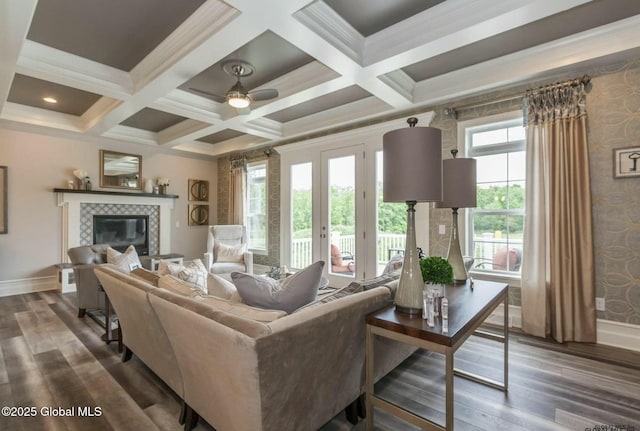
[618, 334]
[27, 285]
[608, 332]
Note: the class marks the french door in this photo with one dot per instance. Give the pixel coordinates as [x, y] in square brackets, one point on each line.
[342, 213]
[326, 211]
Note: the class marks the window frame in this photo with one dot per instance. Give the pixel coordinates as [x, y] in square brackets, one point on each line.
[465, 131]
[249, 167]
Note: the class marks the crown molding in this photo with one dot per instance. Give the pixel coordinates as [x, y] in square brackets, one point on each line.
[531, 63]
[42, 117]
[50, 64]
[325, 22]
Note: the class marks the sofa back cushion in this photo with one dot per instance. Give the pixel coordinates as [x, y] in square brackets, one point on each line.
[290, 294]
[249, 327]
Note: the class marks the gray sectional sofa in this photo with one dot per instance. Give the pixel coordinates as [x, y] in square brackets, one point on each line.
[240, 370]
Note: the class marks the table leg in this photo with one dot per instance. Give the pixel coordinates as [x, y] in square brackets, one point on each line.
[506, 343]
[369, 379]
[449, 389]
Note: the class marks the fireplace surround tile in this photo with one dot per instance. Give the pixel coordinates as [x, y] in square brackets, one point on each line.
[88, 210]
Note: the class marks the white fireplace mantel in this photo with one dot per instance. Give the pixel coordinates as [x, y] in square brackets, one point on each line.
[70, 200]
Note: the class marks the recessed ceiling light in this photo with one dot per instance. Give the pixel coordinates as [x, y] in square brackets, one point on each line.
[50, 100]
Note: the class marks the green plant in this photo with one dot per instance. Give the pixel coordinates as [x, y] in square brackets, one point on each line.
[436, 270]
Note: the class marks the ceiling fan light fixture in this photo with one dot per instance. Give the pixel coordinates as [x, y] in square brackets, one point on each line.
[238, 100]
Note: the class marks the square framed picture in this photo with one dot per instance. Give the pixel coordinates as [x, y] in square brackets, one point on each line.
[626, 163]
[198, 190]
[198, 215]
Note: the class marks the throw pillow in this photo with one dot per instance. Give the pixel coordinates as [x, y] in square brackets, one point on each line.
[192, 272]
[229, 253]
[290, 294]
[127, 261]
[218, 286]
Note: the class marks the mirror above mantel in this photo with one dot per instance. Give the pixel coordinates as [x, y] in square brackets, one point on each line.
[120, 170]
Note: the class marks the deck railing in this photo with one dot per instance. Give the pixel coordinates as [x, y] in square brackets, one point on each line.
[301, 251]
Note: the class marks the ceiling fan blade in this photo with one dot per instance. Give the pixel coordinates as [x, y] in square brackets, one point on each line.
[243, 111]
[214, 97]
[266, 94]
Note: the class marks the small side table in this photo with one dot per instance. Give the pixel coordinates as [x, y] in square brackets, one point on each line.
[66, 278]
[151, 262]
[468, 308]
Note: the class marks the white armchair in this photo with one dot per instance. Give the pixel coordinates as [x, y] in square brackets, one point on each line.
[224, 252]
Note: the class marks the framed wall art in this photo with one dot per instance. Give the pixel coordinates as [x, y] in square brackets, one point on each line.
[198, 215]
[626, 163]
[198, 190]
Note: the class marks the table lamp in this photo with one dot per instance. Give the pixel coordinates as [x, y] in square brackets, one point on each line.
[412, 172]
[459, 191]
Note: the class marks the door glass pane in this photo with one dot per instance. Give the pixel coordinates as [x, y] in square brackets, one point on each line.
[301, 215]
[257, 206]
[391, 223]
[342, 215]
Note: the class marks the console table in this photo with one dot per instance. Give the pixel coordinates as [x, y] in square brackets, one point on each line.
[469, 306]
[151, 262]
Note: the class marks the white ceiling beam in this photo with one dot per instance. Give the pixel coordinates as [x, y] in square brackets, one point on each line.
[335, 117]
[131, 134]
[42, 117]
[451, 25]
[323, 20]
[189, 105]
[531, 63]
[168, 136]
[176, 71]
[50, 64]
[15, 20]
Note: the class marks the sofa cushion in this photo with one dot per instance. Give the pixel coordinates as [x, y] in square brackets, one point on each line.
[218, 286]
[370, 283]
[127, 261]
[290, 294]
[242, 310]
[336, 294]
[193, 272]
[146, 275]
[229, 253]
[176, 285]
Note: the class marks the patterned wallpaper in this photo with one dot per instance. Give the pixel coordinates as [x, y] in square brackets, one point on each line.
[613, 109]
[613, 121]
[273, 178]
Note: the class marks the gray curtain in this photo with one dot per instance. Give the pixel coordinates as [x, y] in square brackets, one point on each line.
[558, 288]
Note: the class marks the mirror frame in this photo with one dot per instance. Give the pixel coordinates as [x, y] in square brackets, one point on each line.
[104, 183]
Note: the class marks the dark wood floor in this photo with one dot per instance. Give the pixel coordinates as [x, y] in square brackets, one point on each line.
[51, 359]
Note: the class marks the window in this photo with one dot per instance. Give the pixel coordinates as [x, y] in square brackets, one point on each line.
[496, 224]
[256, 213]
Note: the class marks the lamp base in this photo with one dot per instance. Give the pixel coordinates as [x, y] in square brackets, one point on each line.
[408, 298]
[454, 255]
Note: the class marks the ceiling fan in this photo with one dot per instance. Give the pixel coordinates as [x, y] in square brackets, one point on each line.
[238, 96]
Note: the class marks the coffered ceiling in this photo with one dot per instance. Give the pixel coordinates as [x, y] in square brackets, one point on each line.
[136, 70]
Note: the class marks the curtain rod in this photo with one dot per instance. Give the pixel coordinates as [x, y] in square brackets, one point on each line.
[516, 96]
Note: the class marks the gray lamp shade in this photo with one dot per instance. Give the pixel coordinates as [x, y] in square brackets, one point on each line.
[412, 160]
[459, 183]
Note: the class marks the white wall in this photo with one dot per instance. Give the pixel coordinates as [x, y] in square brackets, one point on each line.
[38, 164]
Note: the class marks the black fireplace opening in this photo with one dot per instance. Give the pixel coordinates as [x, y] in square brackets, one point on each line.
[121, 231]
